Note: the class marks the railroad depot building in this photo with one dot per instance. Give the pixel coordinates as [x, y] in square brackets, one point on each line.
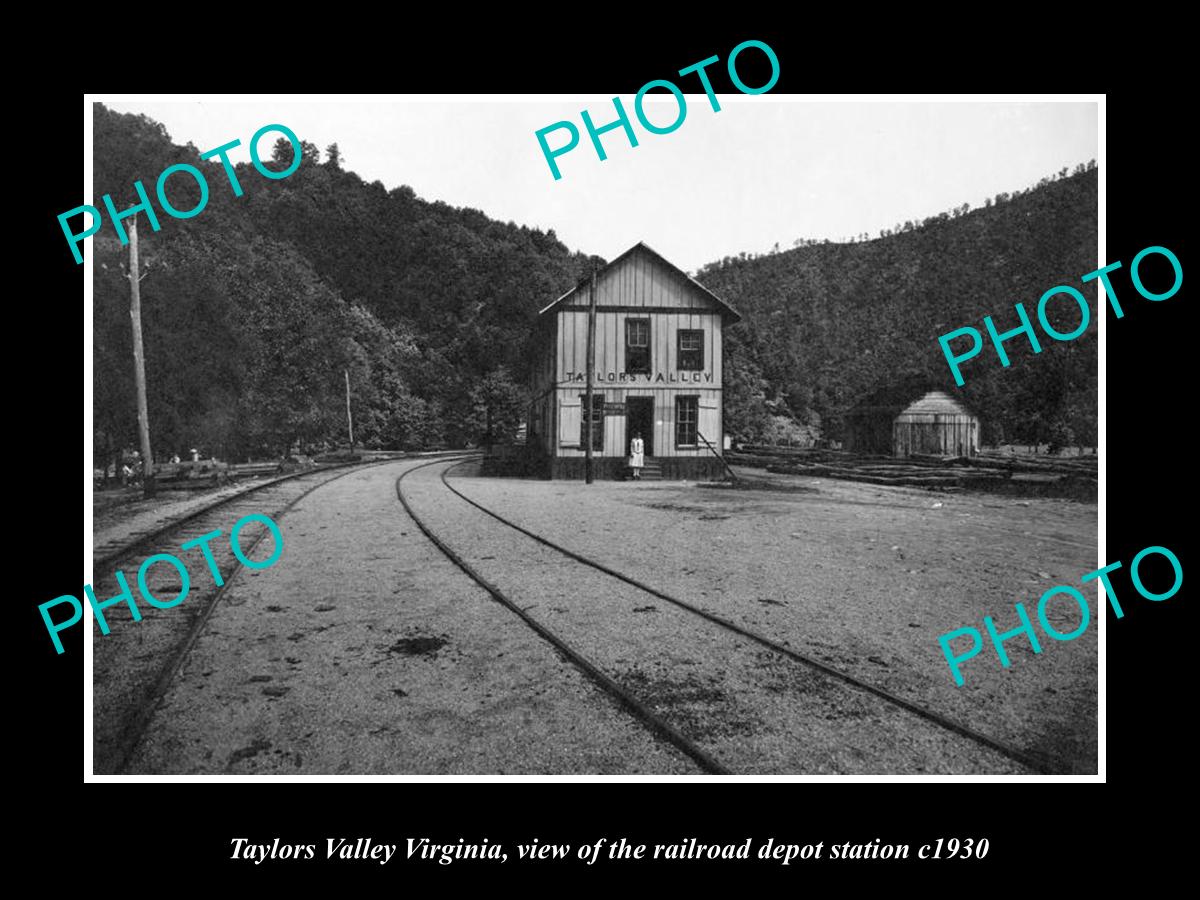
[657, 371]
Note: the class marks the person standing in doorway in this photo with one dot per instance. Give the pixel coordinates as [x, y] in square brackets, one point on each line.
[636, 458]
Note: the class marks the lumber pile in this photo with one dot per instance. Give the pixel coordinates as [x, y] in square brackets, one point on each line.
[915, 471]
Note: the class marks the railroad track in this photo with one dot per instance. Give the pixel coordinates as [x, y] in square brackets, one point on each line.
[135, 664]
[643, 709]
[103, 557]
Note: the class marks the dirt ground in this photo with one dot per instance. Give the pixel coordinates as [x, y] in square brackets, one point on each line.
[863, 577]
[365, 651]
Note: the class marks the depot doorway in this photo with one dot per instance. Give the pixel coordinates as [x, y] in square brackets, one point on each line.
[639, 417]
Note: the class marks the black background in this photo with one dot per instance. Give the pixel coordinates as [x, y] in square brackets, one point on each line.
[185, 829]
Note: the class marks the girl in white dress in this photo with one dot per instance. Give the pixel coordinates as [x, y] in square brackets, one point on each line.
[636, 460]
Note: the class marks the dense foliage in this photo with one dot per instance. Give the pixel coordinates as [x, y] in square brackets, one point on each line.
[832, 326]
[255, 310]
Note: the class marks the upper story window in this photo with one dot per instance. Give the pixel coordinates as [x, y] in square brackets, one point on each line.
[637, 346]
[690, 355]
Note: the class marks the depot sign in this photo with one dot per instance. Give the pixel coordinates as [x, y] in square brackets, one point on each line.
[633, 379]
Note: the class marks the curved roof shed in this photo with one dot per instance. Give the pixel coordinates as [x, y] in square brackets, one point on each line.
[936, 425]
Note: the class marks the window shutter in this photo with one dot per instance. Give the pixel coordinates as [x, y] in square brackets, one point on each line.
[569, 422]
[709, 423]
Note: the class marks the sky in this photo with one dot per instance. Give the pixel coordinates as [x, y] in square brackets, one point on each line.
[762, 170]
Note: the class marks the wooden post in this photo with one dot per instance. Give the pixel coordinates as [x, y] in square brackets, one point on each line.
[591, 367]
[349, 418]
[139, 364]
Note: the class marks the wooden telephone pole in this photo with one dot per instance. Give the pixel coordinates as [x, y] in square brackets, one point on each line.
[139, 363]
[349, 419]
[591, 368]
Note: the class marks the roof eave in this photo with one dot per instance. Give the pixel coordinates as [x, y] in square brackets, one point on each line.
[727, 310]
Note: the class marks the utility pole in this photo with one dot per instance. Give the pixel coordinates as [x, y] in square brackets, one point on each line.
[591, 368]
[139, 364]
[349, 418]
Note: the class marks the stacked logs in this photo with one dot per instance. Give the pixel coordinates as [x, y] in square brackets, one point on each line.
[916, 471]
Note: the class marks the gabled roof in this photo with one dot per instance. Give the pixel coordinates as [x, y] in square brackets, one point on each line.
[938, 403]
[725, 307]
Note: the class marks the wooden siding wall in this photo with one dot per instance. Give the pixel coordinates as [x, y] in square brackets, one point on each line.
[616, 439]
[936, 434]
[664, 347]
[641, 280]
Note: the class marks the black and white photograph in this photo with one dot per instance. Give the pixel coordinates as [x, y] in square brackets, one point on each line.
[686, 434]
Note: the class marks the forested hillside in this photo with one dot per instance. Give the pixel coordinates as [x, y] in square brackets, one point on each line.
[253, 310]
[828, 326]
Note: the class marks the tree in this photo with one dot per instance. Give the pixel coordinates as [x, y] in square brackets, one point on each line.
[290, 320]
[334, 157]
[282, 153]
[498, 404]
[113, 402]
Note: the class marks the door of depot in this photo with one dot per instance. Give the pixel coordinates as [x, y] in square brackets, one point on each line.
[639, 418]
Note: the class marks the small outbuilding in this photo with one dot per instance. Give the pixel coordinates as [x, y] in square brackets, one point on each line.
[869, 428]
[936, 425]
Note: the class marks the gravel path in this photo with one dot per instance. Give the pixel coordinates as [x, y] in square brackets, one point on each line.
[128, 663]
[863, 577]
[754, 710]
[364, 650]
